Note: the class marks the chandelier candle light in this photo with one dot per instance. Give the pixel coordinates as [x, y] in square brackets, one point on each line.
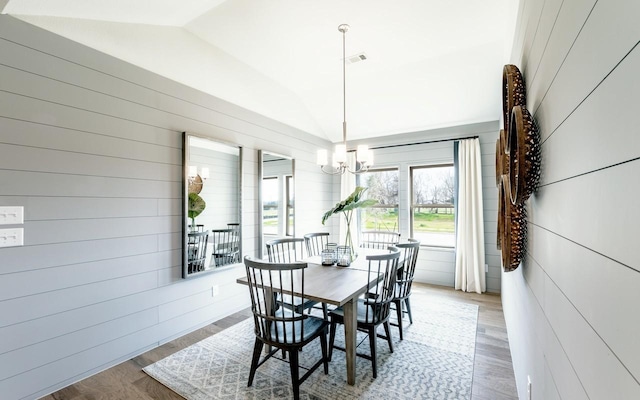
[364, 156]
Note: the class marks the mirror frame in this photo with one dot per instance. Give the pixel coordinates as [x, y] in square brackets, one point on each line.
[185, 202]
[261, 154]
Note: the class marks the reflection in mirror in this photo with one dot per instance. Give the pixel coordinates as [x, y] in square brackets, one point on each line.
[212, 237]
[277, 200]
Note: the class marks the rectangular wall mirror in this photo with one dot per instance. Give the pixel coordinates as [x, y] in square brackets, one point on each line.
[276, 198]
[212, 234]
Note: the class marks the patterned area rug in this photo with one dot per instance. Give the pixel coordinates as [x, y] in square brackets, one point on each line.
[434, 361]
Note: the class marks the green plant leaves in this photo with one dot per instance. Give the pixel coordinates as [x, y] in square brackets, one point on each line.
[196, 205]
[350, 203]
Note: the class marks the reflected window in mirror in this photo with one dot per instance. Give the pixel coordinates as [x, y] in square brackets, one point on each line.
[277, 197]
[270, 214]
[212, 234]
[290, 199]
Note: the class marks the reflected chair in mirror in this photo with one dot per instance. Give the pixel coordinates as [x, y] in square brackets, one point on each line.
[196, 228]
[406, 270]
[197, 251]
[278, 327]
[288, 250]
[373, 309]
[236, 234]
[316, 242]
[378, 239]
[226, 246]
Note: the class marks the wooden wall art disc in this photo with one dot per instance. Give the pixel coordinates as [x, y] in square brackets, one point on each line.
[196, 185]
[524, 155]
[499, 163]
[502, 158]
[514, 238]
[501, 211]
[513, 92]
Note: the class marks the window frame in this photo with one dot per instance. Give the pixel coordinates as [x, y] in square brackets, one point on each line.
[413, 206]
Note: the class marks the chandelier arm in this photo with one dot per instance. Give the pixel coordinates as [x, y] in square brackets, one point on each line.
[334, 171]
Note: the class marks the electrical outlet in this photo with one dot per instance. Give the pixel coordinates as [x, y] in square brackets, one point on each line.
[11, 237]
[486, 268]
[528, 387]
[215, 291]
[11, 215]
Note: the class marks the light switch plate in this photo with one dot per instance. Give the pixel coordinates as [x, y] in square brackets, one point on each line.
[11, 215]
[11, 237]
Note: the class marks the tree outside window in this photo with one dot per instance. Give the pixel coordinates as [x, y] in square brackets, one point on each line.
[382, 186]
[432, 208]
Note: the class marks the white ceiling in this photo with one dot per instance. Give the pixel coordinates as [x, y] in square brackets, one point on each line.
[431, 63]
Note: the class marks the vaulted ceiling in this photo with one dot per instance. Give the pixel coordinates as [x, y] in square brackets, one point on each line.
[429, 63]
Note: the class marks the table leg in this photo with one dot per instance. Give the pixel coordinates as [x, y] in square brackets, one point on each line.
[350, 329]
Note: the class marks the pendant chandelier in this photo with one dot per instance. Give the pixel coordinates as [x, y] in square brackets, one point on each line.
[364, 156]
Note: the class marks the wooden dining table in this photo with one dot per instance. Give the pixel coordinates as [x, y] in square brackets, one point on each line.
[339, 286]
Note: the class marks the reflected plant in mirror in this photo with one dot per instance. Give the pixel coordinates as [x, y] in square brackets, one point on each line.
[212, 205]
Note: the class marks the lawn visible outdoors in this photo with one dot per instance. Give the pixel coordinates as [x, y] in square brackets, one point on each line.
[423, 221]
[433, 222]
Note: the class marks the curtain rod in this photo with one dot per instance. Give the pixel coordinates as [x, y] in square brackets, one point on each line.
[416, 143]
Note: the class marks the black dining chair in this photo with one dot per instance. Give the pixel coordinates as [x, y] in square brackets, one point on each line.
[316, 242]
[226, 246]
[288, 250]
[406, 270]
[285, 250]
[279, 327]
[197, 251]
[378, 239]
[374, 308]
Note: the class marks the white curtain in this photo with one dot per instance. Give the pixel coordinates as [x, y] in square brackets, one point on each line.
[470, 275]
[347, 186]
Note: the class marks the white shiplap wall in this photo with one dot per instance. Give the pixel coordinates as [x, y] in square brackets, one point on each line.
[437, 265]
[571, 308]
[92, 147]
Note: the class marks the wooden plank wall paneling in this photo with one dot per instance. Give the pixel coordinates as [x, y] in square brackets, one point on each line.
[92, 148]
[570, 308]
[437, 265]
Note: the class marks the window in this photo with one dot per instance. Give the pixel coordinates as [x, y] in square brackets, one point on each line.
[382, 185]
[270, 199]
[289, 196]
[432, 211]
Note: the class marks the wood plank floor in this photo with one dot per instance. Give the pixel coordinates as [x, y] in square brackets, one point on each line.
[492, 376]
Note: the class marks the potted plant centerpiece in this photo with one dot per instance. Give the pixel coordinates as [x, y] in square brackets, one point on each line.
[346, 207]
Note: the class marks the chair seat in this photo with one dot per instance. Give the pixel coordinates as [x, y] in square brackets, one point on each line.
[362, 316]
[297, 302]
[282, 332]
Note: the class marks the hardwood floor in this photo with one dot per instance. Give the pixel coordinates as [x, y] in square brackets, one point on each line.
[492, 375]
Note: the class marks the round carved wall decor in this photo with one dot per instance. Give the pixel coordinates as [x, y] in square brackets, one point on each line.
[514, 229]
[524, 155]
[513, 92]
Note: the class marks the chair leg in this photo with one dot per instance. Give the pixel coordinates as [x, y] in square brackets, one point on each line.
[325, 312]
[257, 349]
[332, 337]
[372, 344]
[323, 345]
[398, 304]
[295, 373]
[387, 330]
[406, 301]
